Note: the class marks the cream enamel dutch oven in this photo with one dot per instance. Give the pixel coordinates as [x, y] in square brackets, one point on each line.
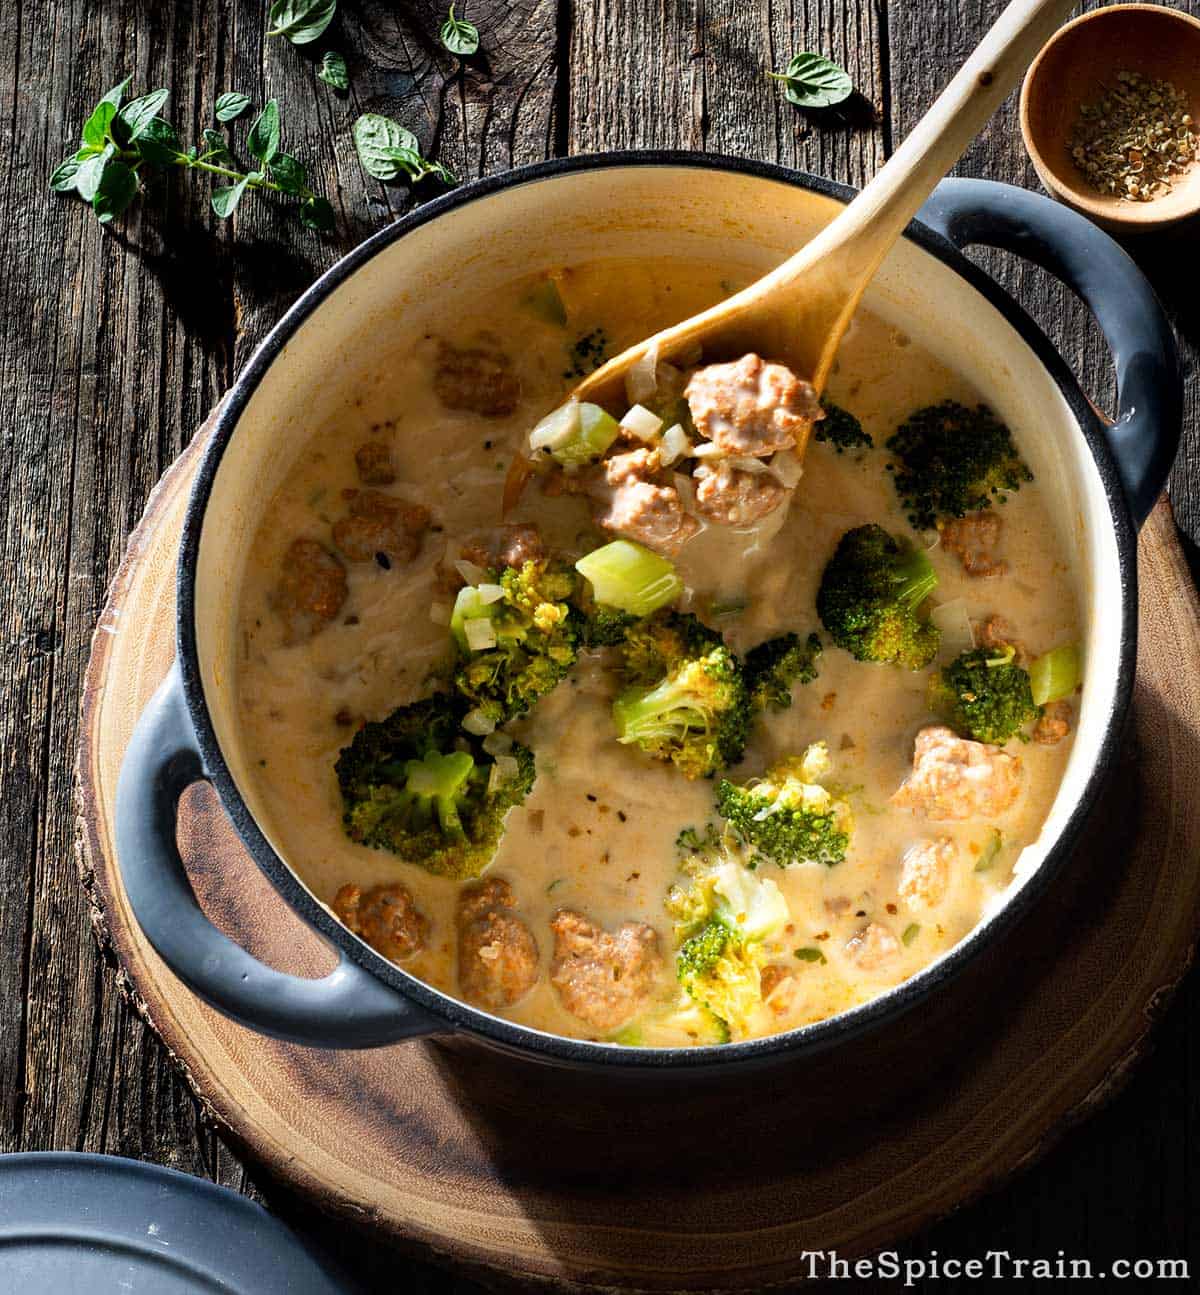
[1102, 480]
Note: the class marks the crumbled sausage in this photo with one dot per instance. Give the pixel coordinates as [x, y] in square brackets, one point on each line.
[478, 378]
[385, 917]
[373, 459]
[497, 954]
[1054, 724]
[925, 872]
[972, 539]
[651, 514]
[730, 496]
[996, 632]
[379, 523]
[603, 977]
[311, 590]
[751, 407]
[872, 948]
[505, 546]
[955, 778]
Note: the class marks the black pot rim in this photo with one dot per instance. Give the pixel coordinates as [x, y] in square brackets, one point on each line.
[534, 1044]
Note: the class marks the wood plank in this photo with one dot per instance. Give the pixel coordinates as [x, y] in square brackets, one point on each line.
[644, 75]
[117, 343]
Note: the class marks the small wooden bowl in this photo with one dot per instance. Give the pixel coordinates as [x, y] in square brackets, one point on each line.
[1074, 69]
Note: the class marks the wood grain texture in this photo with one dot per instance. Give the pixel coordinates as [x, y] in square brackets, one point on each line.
[116, 344]
[435, 1147]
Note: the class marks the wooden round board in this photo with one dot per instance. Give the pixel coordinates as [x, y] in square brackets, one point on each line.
[538, 1174]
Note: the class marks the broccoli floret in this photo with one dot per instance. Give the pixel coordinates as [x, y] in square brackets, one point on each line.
[690, 705]
[951, 460]
[517, 638]
[684, 1022]
[723, 973]
[869, 595]
[414, 784]
[841, 429]
[787, 815]
[984, 695]
[657, 644]
[773, 667]
[607, 627]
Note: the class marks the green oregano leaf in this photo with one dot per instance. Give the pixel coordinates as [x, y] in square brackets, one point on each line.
[317, 213]
[388, 151]
[809, 954]
[289, 174]
[95, 129]
[116, 190]
[230, 105]
[138, 113]
[263, 140]
[333, 70]
[301, 21]
[459, 36]
[215, 148]
[62, 178]
[814, 81]
[378, 139]
[90, 174]
[225, 200]
[158, 141]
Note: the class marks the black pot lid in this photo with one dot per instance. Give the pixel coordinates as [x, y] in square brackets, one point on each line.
[72, 1222]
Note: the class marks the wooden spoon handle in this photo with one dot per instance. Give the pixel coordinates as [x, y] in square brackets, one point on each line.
[849, 250]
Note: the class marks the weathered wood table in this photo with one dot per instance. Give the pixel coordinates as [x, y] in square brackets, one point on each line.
[116, 343]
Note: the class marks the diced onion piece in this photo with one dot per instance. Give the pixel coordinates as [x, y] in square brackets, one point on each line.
[787, 468]
[641, 378]
[480, 633]
[505, 769]
[747, 463]
[497, 744]
[706, 450]
[475, 721]
[954, 624]
[467, 607]
[439, 613]
[640, 422]
[556, 428]
[595, 430]
[1055, 674]
[629, 577]
[675, 445]
[472, 574]
[489, 594]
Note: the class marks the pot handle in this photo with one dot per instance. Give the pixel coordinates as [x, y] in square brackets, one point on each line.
[349, 1008]
[1145, 436]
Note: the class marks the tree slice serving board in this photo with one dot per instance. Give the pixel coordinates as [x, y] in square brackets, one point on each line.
[537, 1174]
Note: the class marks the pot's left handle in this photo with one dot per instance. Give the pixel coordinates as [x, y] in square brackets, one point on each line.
[1144, 437]
[349, 1008]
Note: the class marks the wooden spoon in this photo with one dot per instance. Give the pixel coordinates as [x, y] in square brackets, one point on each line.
[799, 312]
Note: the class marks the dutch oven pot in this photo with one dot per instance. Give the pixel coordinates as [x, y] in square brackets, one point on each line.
[1101, 481]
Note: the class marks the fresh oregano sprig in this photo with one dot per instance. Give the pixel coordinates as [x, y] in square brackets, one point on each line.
[121, 141]
[814, 81]
[388, 151]
[459, 36]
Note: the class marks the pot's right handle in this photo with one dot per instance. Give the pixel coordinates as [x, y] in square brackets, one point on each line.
[1145, 436]
[349, 1008]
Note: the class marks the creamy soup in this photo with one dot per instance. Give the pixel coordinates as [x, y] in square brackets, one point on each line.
[596, 836]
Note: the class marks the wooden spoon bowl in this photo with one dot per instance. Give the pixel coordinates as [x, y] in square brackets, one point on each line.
[1074, 68]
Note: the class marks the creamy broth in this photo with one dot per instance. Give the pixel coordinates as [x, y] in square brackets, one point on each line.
[597, 833]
